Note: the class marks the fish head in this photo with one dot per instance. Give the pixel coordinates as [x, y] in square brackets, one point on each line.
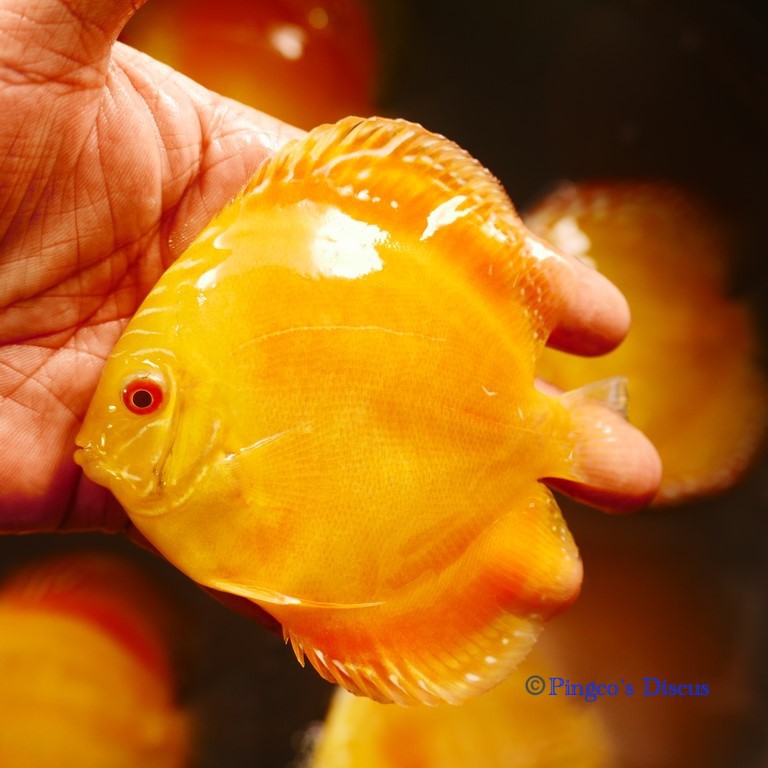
[128, 431]
[150, 428]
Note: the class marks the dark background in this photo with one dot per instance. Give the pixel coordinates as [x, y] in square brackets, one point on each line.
[539, 91]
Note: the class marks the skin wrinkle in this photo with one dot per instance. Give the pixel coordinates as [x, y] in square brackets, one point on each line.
[25, 288]
[29, 364]
[16, 174]
[26, 213]
[41, 382]
[71, 73]
[79, 239]
[76, 314]
[67, 396]
[180, 179]
[81, 343]
[8, 393]
[74, 38]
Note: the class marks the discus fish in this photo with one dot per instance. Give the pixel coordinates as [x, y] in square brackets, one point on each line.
[85, 677]
[327, 405]
[691, 360]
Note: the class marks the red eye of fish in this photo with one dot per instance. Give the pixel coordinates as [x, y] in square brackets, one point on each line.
[142, 396]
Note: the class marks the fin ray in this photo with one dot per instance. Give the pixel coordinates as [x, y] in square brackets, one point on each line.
[611, 392]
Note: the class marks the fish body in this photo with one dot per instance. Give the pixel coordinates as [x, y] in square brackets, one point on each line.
[327, 405]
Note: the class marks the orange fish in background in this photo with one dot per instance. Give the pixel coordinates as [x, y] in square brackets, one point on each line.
[85, 678]
[327, 406]
[304, 61]
[691, 357]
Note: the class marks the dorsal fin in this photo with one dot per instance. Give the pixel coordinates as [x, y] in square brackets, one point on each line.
[346, 152]
[421, 186]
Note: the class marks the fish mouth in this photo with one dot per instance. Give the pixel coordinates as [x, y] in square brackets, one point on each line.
[95, 465]
[90, 458]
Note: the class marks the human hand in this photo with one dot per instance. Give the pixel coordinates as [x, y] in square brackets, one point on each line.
[111, 164]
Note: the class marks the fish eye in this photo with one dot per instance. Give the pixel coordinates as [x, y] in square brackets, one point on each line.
[142, 396]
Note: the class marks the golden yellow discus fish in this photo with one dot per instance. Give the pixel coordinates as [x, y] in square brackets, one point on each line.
[327, 405]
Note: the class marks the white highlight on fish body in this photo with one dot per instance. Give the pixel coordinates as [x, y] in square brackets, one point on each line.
[345, 247]
[443, 215]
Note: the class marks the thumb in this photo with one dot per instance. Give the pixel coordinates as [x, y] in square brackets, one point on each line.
[62, 41]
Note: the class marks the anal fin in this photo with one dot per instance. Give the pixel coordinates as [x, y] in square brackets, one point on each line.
[435, 673]
[453, 635]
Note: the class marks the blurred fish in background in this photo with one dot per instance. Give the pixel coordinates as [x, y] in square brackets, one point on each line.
[691, 358]
[85, 674]
[677, 614]
[304, 61]
[501, 729]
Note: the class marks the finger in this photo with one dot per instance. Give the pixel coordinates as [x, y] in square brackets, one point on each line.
[624, 485]
[617, 468]
[62, 41]
[620, 470]
[592, 315]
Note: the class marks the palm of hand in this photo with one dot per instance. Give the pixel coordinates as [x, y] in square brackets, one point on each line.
[109, 157]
